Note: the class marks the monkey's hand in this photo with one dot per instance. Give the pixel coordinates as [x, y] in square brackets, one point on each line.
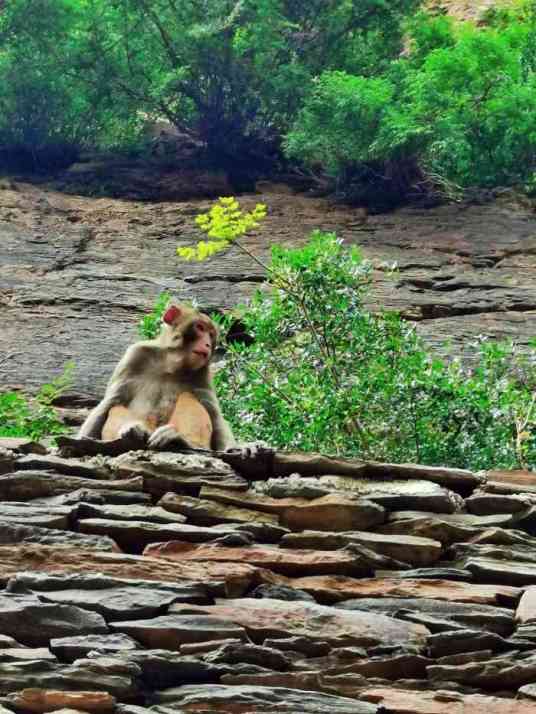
[251, 449]
[134, 431]
[167, 436]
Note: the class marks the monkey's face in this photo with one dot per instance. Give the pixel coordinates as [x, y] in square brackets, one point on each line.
[199, 343]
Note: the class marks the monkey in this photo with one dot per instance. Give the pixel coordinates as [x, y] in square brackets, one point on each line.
[161, 392]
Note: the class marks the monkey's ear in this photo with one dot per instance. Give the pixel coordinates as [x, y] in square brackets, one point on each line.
[171, 314]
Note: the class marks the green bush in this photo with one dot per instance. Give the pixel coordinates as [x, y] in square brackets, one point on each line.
[34, 418]
[325, 374]
[461, 105]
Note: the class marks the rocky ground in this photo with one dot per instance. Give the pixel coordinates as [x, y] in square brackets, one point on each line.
[154, 582]
[77, 273]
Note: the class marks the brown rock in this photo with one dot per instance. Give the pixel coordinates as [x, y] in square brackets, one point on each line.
[277, 618]
[130, 512]
[336, 588]
[285, 561]
[511, 482]
[405, 701]
[487, 504]
[48, 700]
[69, 467]
[407, 549]
[338, 511]
[231, 580]
[26, 485]
[446, 528]
[205, 512]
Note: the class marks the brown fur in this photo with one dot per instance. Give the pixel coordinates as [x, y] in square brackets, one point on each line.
[161, 391]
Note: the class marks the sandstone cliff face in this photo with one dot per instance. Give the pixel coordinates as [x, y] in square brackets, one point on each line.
[76, 274]
[145, 582]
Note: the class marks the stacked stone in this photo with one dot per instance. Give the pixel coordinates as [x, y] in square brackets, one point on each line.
[137, 582]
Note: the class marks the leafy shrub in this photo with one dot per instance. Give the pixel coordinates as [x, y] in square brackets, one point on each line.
[36, 418]
[461, 104]
[149, 325]
[323, 373]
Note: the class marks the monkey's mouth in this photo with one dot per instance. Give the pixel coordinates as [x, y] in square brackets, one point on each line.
[202, 353]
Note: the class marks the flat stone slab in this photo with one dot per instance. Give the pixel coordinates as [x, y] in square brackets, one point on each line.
[40, 701]
[446, 644]
[501, 571]
[286, 561]
[249, 698]
[511, 482]
[131, 512]
[182, 473]
[438, 615]
[34, 623]
[173, 630]
[268, 618]
[219, 578]
[336, 588]
[116, 602]
[22, 445]
[406, 549]
[406, 701]
[337, 511]
[27, 485]
[69, 467]
[392, 494]
[69, 649]
[138, 534]
[17, 533]
[206, 512]
[494, 674]
[319, 465]
[107, 674]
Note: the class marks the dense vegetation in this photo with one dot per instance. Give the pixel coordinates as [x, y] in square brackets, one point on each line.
[321, 372]
[34, 418]
[376, 95]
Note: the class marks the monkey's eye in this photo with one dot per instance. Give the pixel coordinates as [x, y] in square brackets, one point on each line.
[200, 327]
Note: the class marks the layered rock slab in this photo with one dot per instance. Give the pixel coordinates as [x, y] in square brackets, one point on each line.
[268, 618]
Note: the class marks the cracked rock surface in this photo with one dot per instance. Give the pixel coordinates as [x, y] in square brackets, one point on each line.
[279, 583]
[82, 271]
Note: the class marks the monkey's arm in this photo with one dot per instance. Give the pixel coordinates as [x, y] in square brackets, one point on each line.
[118, 393]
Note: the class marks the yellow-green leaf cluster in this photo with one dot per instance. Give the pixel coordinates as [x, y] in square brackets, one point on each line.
[223, 223]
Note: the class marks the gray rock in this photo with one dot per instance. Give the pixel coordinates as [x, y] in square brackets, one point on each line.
[130, 512]
[527, 692]
[135, 535]
[281, 592]
[171, 631]
[19, 533]
[495, 674]
[461, 615]
[161, 668]
[263, 656]
[403, 549]
[308, 646]
[183, 473]
[26, 654]
[27, 485]
[455, 574]
[39, 583]
[21, 445]
[490, 504]
[251, 698]
[69, 467]
[97, 497]
[460, 641]
[103, 674]
[509, 572]
[34, 623]
[115, 602]
[69, 649]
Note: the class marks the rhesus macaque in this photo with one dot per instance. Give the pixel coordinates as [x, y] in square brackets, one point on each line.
[161, 392]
